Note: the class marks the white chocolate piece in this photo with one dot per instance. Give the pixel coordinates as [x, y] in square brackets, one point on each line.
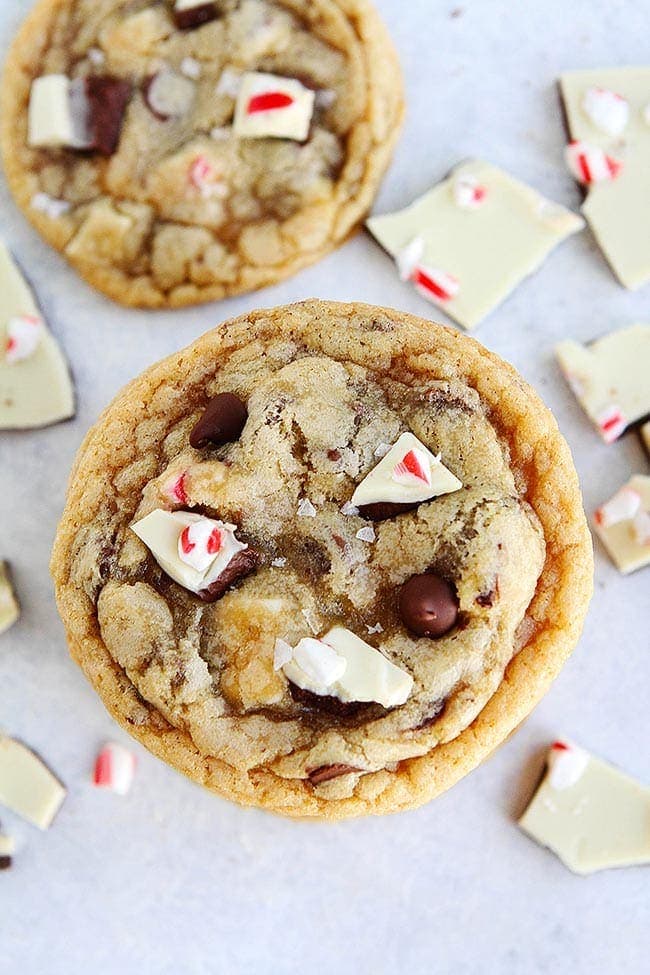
[618, 210]
[189, 4]
[289, 112]
[483, 250]
[161, 532]
[9, 608]
[36, 390]
[7, 846]
[622, 524]
[58, 113]
[391, 480]
[588, 813]
[355, 671]
[27, 786]
[610, 378]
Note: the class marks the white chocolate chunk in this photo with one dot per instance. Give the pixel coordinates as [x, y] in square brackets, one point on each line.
[272, 106]
[618, 210]
[342, 665]
[35, 385]
[7, 846]
[9, 608]
[58, 113]
[608, 111]
[588, 813]
[610, 378]
[161, 532]
[27, 786]
[407, 474]
[623, 525]
[466, 250]
[189, 4]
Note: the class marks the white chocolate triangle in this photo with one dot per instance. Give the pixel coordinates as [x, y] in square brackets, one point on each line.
[381, 484]
[37, 390]
[588, 813]
[160, 531]
[26, 785]
[367, 675]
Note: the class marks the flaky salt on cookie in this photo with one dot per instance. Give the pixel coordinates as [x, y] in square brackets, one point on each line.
[325, 560]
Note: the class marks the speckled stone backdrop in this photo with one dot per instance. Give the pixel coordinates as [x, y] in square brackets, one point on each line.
[172, 880]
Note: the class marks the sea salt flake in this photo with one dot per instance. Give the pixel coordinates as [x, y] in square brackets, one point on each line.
[306, 509]
[349, 509]
[366, 534]
[279, 563]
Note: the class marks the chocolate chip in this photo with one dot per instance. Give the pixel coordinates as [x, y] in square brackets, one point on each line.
[326, 772]
[108, 98]
[428, 605]
[485, 599]
[222, 422]
[241, 565]
[382, 510]
[193, 17]
[5, 861]
[334, 455]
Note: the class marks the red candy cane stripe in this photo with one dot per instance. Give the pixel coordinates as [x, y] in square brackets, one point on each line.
[114, 769]
[412, 466]
[435, 284]
[611, 423]
[590, 164]
[177, 490]
[269, 101]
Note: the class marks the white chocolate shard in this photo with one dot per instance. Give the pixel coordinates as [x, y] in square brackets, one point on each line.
[35, 384]
[163, 532]
[623, 525]
[471, 239]
[27, 786]
[407, 474]
[588, 813]
[610, 378]
[343, 665]
[9, 608]
[271, 106]
[58, 114]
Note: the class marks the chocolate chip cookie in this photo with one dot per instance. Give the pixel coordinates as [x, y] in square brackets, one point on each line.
[177, 152]
[325, 559]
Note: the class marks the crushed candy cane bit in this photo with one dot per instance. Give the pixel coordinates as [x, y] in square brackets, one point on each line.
[608, 111]
[622, 507]
[611, 423]
[468, 192]
[306, 509]
[320, 662]
[591, 164]
[191, 68]
[566, 764]
[269, 101]
[366, 534]
[279, 563]
[414, 467]
[114, 769]
[24, 334]
[203, 177]
[200, 543]
[229, 83]
[435, 284]
[176, 489]
[49, 205]
[349, 509]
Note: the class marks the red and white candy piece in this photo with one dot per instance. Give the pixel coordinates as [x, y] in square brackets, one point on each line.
[204, 178]
[622, 507]
[468, 192]
[566, 764]
[612, 423]
[591, 164]
[272, 106]
[24, 334]
[608, 111]
[176, 489]
[199, 544]
[408, 473]
[434, 284]
[114, 769]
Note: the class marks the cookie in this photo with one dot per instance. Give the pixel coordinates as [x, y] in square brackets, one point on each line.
[325, 559]
[177, 153]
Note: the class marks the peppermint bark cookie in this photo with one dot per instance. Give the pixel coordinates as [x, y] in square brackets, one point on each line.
[324, 560]
[180, 152]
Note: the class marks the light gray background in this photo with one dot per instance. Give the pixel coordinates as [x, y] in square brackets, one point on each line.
[173, 880]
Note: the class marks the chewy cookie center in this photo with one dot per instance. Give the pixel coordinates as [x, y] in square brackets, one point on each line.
[253, 603]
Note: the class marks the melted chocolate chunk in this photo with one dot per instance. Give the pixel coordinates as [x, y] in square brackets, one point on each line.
[241, 565]
[5, 861]
[222, 422]
[193, 17]
[326, 772]
[382, 510]
[485, 599]
[428, 605]
[107, 97]
[325, 704]
[436, 711]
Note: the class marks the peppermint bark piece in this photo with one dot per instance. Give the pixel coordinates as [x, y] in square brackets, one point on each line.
[27, 786]
[468, 242]
[35, 384]
[588, 813]
[605, 110]
[610, 378]
[623, 525]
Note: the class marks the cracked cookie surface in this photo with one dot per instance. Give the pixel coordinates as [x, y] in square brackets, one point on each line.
[325, 385]
[184, 210]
